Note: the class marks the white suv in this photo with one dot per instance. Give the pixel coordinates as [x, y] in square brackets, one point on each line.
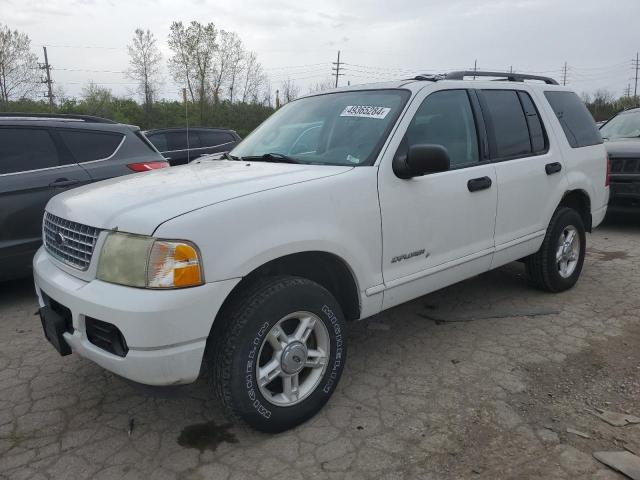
[339, 206]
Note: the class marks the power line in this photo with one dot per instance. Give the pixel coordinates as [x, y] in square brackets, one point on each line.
[636, 64]
[564, 74]
[336, 69]
[47, 68]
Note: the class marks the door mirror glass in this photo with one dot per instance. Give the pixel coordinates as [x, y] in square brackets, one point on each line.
[421, 159]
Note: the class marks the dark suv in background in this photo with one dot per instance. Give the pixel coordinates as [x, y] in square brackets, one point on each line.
[622, 139]
[42, 155]
[181, 145]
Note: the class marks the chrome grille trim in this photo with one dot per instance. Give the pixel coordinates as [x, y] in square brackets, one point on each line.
[79, 241]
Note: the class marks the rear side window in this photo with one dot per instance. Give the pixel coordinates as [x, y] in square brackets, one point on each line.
[159, 141]
[211, 139]
[577, 123]
[510, 128]
[86, 145]
[24, 149]
[536, 131]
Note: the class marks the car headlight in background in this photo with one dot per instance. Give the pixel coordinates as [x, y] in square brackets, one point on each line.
[147, 262]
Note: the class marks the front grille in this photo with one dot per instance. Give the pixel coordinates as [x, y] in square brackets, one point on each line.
[69, 242]
[625, 165]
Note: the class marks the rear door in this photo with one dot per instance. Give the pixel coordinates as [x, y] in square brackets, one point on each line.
[529, 169]
[34, 166]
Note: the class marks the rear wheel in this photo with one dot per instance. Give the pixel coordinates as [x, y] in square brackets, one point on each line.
[279, 354]
[557, 265]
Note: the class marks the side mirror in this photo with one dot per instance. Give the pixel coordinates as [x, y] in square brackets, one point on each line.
[421, 160]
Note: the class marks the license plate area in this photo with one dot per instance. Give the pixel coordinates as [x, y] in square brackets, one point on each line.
[56, 320]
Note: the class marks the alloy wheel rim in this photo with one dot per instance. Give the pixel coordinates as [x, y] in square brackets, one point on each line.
[293, 358]
[568, 251]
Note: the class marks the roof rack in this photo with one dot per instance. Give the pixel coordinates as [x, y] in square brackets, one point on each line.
[56, 116]
[511, 77]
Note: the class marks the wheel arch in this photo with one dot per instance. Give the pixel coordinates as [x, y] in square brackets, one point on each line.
[327, 269]
[580, 201]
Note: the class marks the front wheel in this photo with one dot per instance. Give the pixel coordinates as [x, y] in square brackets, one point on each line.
[279, 354]
[557, 265]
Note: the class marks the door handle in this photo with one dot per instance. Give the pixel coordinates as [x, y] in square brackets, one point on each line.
[481, 183]
[63, 182]
[552, 168]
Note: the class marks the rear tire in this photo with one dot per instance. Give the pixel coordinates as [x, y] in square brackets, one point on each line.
[557, 265]
[279, 353]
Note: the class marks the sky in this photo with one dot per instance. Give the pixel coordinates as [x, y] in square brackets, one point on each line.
[378, 39]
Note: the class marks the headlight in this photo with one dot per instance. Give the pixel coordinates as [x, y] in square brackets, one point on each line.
[140, 261]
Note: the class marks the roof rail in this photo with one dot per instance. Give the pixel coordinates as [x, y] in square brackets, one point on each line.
[511, 77]
[56, 116]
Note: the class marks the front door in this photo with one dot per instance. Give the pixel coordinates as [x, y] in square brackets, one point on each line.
[438, 228]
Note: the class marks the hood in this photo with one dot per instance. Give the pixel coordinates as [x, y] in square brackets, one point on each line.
[140, 202]
[623, 147]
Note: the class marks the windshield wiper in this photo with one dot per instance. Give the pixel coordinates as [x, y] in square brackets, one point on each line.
[272, 157]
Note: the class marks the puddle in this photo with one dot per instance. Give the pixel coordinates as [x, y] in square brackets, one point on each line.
[607, 256]
[206, 436]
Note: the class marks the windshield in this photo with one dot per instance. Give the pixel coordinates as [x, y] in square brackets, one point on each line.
[344, 128]
[624, 125]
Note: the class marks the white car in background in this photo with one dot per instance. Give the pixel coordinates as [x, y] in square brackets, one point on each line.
[250, 267]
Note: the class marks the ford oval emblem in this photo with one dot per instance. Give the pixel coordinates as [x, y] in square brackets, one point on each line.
[60, 239]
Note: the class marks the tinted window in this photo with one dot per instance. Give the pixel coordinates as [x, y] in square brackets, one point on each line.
[23, 149]
[176, 140]
[577, 123]
[159, 141]
[536, 132]
[509, 123]
[445, 118]
[86, 146]
[210, 138]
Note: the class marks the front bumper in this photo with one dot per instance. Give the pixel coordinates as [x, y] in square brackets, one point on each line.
[165, 330]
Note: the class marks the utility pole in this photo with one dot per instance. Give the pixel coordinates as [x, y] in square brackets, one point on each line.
[564, 74]
[627, 91]
[475, 67]
[636, 64]
[47, 80]
[336, 69]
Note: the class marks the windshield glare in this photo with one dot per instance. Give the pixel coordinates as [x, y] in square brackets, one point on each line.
[344, 128]
[625, 125]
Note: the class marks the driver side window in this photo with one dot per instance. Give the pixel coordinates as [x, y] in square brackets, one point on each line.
[446, 118]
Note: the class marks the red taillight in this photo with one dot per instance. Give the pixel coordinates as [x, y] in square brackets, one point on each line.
[607, 179]
[144, 166]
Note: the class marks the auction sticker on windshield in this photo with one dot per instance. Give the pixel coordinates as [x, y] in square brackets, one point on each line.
[365, 111]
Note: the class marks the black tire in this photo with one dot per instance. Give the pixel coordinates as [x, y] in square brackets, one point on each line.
[542, 267]
[246, 321]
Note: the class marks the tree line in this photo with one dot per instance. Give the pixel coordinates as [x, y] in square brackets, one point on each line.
[224, 83]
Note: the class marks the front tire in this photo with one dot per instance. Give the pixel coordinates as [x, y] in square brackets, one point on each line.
[556, 267]
[279, 354]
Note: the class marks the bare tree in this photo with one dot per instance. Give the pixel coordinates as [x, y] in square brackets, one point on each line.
[322, 85]
[193, 51]
[290, 90]
[253, 78]
[236, 67]
[18, 65]
[229, 43]
[144, 64]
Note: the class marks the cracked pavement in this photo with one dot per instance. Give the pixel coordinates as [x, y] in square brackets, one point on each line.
[479, 380]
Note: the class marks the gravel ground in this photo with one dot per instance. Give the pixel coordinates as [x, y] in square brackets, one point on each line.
[479, 380]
